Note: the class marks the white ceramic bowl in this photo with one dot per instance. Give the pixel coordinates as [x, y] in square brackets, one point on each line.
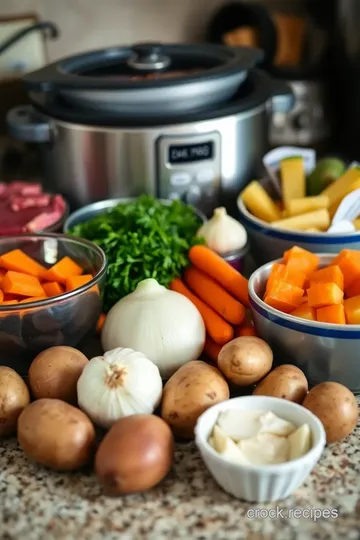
[268, 243]
[255, 483]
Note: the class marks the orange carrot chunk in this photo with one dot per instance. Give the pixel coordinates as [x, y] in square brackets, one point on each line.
[304, 311]
[1, 296]
[74, 282]
[212, 349]
[22, 284]
[63, 269]
[331, 314]
[32, 299]
[330, 274]
[324, 294]
[18, 261]
[9, 302]
[246, 329]
[300, 260]
[353, 289]
[284, 296]
[215, 296]
[218, 329]
[214, 266]
[282, 272]
[100, 323]
[52, 288]
[349, 264]
[352, 310]
[2, 274]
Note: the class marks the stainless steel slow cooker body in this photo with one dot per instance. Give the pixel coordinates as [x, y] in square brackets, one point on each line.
[203, 156]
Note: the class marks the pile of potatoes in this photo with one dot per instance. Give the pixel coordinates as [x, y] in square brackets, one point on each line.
[137, 452]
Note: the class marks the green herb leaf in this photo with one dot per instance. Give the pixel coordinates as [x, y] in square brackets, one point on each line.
[142, 239]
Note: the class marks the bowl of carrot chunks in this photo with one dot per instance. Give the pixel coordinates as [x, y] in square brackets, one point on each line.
[307, 307]
[50, 293]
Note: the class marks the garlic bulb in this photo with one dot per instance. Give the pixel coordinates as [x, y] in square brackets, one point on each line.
[223, 233]
[120, 383]
[162, 324]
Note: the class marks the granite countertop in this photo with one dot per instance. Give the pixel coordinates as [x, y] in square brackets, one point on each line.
[36, 504]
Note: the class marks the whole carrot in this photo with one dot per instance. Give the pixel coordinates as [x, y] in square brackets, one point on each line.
[208, 290]
[214, 266]
[246, 329]
[212, 349]
[218, 329]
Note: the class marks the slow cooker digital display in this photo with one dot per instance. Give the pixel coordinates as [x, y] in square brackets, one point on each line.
[188, 153]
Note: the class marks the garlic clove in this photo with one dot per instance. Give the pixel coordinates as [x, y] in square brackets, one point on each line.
[270, 423]
[265, 449]
[222, 233]
[300, 442]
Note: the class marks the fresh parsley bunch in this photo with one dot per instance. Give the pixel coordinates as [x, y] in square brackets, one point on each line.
[142, 239]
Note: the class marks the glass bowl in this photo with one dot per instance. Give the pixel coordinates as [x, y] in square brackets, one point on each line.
[60, 320]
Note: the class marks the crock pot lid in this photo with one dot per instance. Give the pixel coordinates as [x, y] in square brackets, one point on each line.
[142, 66]
[255, 91]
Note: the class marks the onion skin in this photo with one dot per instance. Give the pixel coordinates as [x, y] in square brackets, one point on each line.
[14, 397]
[54, 373]
[135, 455]
[336, 407]
[56, 435]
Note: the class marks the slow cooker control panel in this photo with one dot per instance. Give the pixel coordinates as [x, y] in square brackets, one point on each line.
[189, 168]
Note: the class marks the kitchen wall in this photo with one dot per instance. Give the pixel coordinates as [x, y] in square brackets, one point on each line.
[87, 24]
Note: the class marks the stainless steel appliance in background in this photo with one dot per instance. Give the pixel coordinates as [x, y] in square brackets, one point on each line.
[295, 45]
[177, 121]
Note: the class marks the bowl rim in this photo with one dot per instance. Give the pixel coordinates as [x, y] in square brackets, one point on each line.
[330, 330]
[107, 204]
[294, 236]
[66, 295]
[57, 224]
[200, 438]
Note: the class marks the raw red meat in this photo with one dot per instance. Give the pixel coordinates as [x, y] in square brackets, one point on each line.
[25, 208]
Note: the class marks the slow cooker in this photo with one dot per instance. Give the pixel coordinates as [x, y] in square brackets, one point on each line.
[177, 121]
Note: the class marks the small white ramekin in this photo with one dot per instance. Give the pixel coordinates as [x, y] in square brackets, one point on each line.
[255, 483]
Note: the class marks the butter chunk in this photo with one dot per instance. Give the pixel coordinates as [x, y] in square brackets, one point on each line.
[265, 449]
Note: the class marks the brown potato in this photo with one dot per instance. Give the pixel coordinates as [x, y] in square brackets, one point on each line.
[195, 387]
[245, 360]
[56, 434]
[336, 407]
[54, 373]
[286, 381]
[135, 455]
[14, 397]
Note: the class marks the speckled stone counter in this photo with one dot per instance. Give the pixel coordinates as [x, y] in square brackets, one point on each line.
[36, 504]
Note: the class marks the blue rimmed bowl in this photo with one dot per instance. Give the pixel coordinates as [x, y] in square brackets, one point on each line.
[268, 243]
[324, 352]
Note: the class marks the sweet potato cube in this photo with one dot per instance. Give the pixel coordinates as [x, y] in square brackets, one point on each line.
[18, 261]
[349, 263]
[22, 284]
[300, 260]
[282, 272]
[304, 311]
[353, 289]
[330, 274]
[324, 294]
[62, 270]
[331, 314]
[284, 296]
[74, 282]
[352, 310]
[52, 288]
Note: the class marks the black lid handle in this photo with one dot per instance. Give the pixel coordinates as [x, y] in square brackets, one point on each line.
[148, 57]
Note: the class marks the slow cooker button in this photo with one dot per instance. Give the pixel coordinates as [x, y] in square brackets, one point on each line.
[193, 195]
[205, 176]
[180, 179]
